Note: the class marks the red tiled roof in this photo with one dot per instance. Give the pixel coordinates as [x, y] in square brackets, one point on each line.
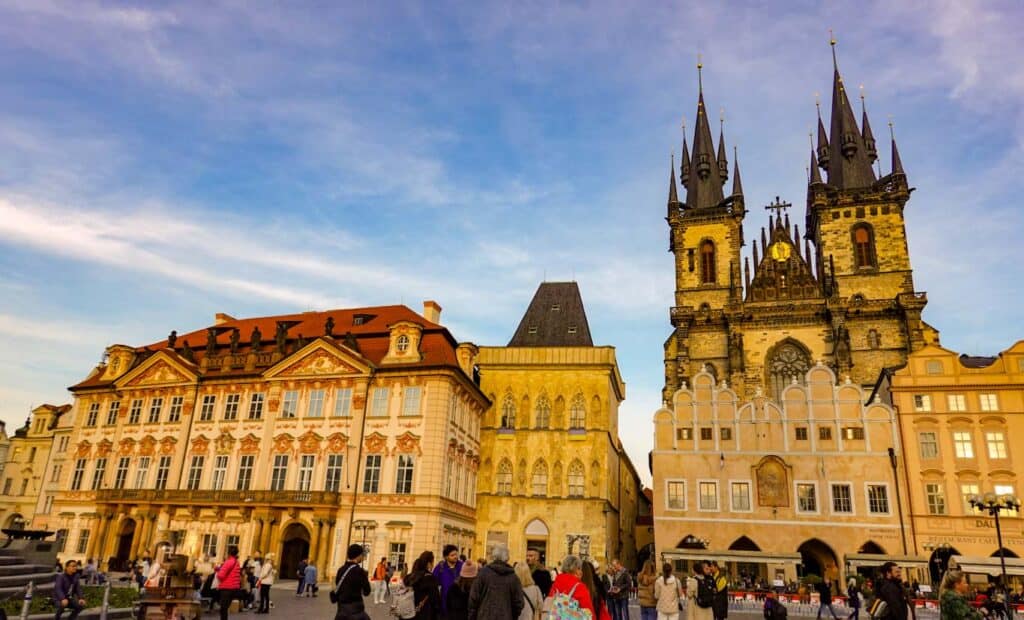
[371, 336]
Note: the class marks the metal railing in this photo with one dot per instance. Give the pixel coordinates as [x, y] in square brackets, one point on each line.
[205, 496]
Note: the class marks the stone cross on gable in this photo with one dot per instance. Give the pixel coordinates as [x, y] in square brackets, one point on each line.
[778, 206]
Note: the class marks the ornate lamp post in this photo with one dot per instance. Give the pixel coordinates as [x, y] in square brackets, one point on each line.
[993, 505]
[941, 561]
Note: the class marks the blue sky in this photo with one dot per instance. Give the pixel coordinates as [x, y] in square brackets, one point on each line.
[159, 163]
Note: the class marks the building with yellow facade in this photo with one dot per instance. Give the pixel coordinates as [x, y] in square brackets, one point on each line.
[554, 474]
[809, 485]
[959, 417]
[26, 471]
[293, 435]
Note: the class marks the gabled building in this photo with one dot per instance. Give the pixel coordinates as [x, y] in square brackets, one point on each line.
[293, 434]
[26, 471]
[554, 475]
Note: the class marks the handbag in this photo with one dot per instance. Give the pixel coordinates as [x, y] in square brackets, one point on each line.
[334, 593]
[878, 609]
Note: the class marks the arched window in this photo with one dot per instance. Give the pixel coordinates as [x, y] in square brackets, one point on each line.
[863, 246]
[874, 339]
[402, 344]
[707, 262]
[508, 412]
[539, 483]
[504, 477]
[576, 478]
[786, 361]
[542, 415]
[578, 413]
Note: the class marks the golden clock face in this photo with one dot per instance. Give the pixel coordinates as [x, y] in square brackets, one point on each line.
[780, 251]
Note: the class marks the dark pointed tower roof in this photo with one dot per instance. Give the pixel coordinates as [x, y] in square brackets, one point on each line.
[723, 162]
[704, 188]
[815, 173]
[822, 140]
[849, 164]
[897, 163]
[684, 164]
[869, 138]
[673, 195]
[555, 318]
[737, 185]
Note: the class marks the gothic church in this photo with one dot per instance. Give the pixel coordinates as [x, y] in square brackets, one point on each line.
[841, 291]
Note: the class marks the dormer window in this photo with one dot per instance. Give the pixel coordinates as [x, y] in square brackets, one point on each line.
[402, 344]
[532, 329]
[572, 329]
[555, 307]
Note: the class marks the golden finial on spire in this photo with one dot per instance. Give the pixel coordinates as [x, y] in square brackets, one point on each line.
[817, 102]
[892, 132]
[862, 92]
[721, 117]
[682, 125]
[700, 72]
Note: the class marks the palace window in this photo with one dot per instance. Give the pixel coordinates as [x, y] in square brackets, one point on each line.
[396, 556]
[707, 262]
[206, 410]
[676, 495]
[956, 402]
[786, 362]
[371, 474]
[155, 408]
[508, 412]
[342, 402]
[220, 471]
[210, 545]
[245, 467]
[174, 414]
[256, 405]
[94, 412]
[863, 246]
[707, 495]
[231, 406]
[806, 497]
[402, 344]
[403, 480]
[83, 542]
[853, 432]
[306, 464]
[933, 367]
[962, 445]
[290, 404]
[55, 473]
[48, 504]
[316, 404]
[928, 443]
[195, 472]
[99, 473]
[576, 479]
[725, 433]
[825, 433]
[1005, 489]
[878, 499]
[112, 412]
[967, 491]
[24, 487]
[996, 441]
[279, 473]
[411, 401]
[922, 402]
[135, 411]
[801, 433]
[989, 402]
[842, 499]
[380, 402]
[740, 496]
[935, 497]
[142, 473]
[540, 479]
[504, 477]
[332, 482]
[684, 434]
[7, 486]
[578, 413]
[542, 417]
[163, 470]
[706, 433]
[121, 473]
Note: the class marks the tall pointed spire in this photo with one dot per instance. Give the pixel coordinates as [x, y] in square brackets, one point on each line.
[673, 196]
[737, 185]
[723, 163]
[849, 164]
[815, 174]
[897, 163]
[684, 162]
[869, 138]
[704, 189]
[823, 149]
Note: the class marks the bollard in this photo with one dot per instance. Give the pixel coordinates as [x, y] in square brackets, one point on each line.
[28, 600]
[106, 601]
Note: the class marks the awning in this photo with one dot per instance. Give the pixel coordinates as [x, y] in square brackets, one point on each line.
[988, 566]
[853, 560]
[748, 557]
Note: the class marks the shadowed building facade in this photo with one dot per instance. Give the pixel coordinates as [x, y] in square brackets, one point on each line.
[554, 474]
[27, 473]
[292, 434]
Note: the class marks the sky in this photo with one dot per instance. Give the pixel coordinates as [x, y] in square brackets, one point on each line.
[161, 162]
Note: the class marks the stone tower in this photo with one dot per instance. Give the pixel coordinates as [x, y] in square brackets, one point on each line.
[843, 293]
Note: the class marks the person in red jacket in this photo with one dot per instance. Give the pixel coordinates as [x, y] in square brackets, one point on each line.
[569, 578]
[230, 577]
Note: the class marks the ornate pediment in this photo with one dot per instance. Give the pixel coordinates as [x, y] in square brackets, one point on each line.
[224, 443]
[283, 443]
[167, 445]
[376, 443]
[310, 442]
[103, 447]
[407, 443]
[250, 444]
[337, 442]
[318, 362]
[200, 445]
[126, 447]
[147, 446]
[160, 369]
[83, 449]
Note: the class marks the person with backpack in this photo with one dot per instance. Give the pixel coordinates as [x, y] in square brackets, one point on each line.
[351, 584]
[667, 590]
[531, 593]
[700, 593]
[569, 598]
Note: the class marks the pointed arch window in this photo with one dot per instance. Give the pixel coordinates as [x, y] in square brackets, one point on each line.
[542, 415]
[539, 480]
[863, 246]
[707, 262]
[578, 413]
[508, 412]
[576, 478]
[787, 361]
[504, 477]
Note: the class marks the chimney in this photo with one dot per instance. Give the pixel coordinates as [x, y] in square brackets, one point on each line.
[432, 311]
[220, 318]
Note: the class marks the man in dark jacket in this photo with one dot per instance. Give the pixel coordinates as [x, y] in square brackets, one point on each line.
[496, 594]
[540, 573]
[890, 589]
[824, 588]
[618, 594]
[67, 591]
[351, 584]
[720, 606]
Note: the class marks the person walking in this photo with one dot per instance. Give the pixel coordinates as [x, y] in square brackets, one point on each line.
[667, 591]
[67, 591]
[425, 587]
[309, 579]
[351, 584]
[447, 571]
[300, 574]
[853, 599]
[534, 602]
[645, 591]
[229, 577]
[824, 589]
[598, 591]
[953, 603]
[618, 594]
[890, 589]
[457, 602]
[539, 572]
[267, 574]
[569, 582]
[720, 606]
[257, 568]
[379, 581]
[90, 572]
[496, 593]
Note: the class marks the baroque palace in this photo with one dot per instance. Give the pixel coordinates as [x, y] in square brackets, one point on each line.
[775, 449]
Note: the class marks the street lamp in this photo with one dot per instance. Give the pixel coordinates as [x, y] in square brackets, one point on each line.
[941, 551]
[994, 504]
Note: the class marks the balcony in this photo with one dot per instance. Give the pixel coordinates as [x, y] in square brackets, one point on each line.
[212, 498]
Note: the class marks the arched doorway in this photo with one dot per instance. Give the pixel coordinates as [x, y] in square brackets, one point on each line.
[692, 542]
[938, 561]
[125, 534]
[294, 549]
[748, 571]
[14, 522]
[817, 558]
[1006, 553]
[537, 538]
[744, 544]
[871, 547]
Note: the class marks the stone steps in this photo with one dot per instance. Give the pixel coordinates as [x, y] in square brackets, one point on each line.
[22, 569]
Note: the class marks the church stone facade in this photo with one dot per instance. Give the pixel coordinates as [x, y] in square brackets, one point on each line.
[840, 290]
